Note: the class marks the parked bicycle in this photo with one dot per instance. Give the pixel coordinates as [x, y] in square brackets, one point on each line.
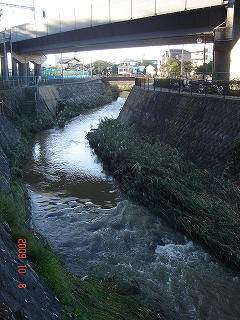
[187, 86]
[174, 85]
[216, 89]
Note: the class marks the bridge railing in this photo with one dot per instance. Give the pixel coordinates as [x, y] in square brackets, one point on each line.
[191, 86]
[103, 12]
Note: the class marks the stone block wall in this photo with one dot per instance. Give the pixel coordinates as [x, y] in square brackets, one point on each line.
[72, 93]
[202, 128]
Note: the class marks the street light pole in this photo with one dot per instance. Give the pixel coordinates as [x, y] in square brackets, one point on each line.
[200, 40]
[204, 56]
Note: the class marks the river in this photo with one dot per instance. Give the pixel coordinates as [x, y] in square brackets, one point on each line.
[78, 208]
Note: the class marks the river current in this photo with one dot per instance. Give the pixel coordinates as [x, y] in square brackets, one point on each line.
[78, 208]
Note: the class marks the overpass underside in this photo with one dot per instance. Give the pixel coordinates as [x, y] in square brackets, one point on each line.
[175, 28]
[167, 29]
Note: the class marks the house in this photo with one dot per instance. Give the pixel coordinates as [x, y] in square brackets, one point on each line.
[151, 69]
[68, 63]
[126, 67]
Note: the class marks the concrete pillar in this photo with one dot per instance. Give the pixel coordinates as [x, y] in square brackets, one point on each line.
[14, 68]
[37, 70]
[4, 67]
[24, 72]
[221, 64]
[223, 43]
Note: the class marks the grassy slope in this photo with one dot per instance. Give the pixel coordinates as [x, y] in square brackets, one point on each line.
[204, 205]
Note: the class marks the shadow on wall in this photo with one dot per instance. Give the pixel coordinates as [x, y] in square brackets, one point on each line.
[203, 129]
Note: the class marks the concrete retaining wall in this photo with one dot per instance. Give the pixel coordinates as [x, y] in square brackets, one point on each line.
[203, 129]
[72, 93]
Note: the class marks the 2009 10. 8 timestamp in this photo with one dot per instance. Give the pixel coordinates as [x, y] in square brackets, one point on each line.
[22, 254]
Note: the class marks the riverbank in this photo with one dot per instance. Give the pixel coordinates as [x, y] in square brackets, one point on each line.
[199, 203]
[86, 298]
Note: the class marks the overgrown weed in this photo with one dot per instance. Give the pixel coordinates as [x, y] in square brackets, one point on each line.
[200, 203]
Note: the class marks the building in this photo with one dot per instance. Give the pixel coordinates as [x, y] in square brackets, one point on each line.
[178, 54]
[197, 57]
[126, 67]
[151, 69]
[175, 54]
[68, 63]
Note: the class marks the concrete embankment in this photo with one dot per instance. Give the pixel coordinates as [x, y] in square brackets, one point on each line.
[202, 128]
[36, 300]
[80, 92]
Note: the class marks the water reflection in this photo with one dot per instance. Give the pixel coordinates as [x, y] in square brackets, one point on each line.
[62, 158]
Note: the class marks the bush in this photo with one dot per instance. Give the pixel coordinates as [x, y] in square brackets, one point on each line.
[115, 91]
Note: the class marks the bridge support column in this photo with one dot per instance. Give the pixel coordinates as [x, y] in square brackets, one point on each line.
[24, 63]
[14, 68]
[223, 43]
[37, 69]
[24, 72]
[221, 61]
[4, 66]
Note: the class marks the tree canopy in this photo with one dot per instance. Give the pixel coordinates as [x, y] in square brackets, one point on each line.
[206, 68]
[100, 67]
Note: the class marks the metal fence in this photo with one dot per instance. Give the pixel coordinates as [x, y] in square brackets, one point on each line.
[206, 87]
[19, 82]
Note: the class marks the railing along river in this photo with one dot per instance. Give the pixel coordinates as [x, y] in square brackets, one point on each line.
[206, 87]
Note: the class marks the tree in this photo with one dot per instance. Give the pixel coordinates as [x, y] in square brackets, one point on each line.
[187, 66]
[145, 63]
[174, 66]
[100, 67]
[206, 68]
[114, 68]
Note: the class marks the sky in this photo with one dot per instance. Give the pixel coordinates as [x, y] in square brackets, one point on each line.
[13, 16]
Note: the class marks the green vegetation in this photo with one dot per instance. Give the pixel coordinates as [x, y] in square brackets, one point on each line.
[97, 299]
[206, 68]
[125, 87]
[195, 201]
[234, 155]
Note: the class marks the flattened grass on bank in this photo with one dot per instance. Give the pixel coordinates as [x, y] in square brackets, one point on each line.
[195, 201]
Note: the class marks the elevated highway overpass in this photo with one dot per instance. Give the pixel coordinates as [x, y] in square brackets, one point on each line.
[127, 23]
